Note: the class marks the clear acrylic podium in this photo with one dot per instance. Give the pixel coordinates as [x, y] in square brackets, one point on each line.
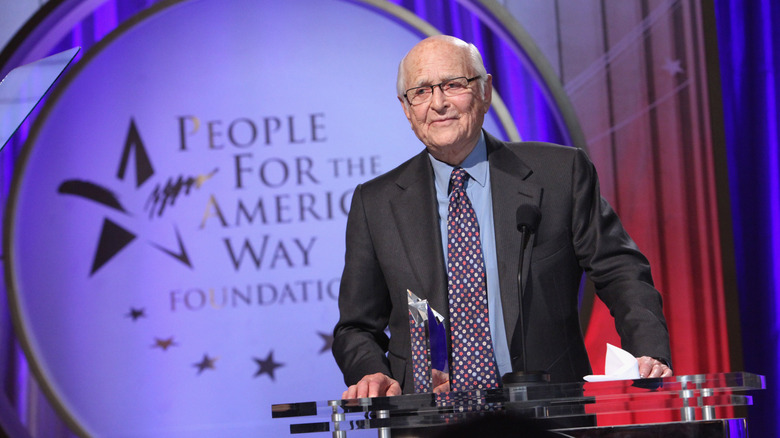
[690, 405]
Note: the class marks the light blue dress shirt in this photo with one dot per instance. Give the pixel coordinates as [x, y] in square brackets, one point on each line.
[478, 191]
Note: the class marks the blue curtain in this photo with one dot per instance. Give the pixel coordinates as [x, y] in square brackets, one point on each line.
[749, 46]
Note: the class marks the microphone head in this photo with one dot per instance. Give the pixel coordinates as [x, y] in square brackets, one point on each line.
[528, 217]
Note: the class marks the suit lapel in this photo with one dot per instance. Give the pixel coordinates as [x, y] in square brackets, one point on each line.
[510, 188]
[416, 215]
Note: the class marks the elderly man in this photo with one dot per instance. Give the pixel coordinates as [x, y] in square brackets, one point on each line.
[444, 226]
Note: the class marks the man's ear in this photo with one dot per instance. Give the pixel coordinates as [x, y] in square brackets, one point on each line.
[487, 98]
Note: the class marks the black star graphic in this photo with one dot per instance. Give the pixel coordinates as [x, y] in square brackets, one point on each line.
[267, 366]
[181, 255]
[136, 313]
[206, 363]
[115, 237]
[165, 343]
[328, 339]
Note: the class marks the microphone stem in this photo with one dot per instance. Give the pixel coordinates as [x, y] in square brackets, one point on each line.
[520, 302]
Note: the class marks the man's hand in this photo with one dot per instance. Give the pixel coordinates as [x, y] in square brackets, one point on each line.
[441, 381]
[649, 367]
[374, 385]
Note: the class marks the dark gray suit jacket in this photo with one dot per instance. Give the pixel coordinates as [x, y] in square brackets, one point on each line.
[394, 244]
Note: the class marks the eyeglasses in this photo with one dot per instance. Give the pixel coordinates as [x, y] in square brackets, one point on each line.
[450, 87]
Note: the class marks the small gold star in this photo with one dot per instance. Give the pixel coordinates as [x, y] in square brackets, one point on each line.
[164, 343]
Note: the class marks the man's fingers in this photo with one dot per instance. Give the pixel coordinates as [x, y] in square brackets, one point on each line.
[660, 370]
[363, 388]
[649, 368]
[394, 389]
[655, 371]
[444, 387]
[645, 366]
[350, 392]
[374, 385]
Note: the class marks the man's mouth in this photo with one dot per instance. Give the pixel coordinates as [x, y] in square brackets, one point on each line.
[443, 121]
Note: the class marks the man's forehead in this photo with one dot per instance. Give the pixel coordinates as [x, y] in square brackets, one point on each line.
[428, 67]
[437, 52]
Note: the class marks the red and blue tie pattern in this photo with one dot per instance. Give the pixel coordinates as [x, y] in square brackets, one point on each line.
[473, 364]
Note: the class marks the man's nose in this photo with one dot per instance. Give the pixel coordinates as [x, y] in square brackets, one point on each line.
[438, 99]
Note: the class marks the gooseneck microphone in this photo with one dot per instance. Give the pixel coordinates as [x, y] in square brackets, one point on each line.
[528, 218]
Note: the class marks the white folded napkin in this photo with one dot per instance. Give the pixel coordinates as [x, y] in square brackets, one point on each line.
[618, 365]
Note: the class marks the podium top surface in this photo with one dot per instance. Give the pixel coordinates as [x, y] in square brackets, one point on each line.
[685, 397]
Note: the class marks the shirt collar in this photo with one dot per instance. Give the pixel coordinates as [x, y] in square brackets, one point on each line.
[475, 164]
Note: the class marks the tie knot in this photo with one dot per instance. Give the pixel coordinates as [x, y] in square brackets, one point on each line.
[458, 179]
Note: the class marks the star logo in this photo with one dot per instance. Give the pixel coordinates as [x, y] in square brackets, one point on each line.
[115, 237]
[267, 366]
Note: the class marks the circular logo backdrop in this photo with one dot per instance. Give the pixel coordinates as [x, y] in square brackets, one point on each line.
[176, 233]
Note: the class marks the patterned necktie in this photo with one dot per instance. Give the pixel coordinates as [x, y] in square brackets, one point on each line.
[473, 363]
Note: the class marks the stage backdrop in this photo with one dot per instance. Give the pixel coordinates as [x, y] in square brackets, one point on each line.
[635, 72]
[176, 230]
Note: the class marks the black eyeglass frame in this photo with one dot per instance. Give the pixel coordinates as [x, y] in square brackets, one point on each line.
[440, 85]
